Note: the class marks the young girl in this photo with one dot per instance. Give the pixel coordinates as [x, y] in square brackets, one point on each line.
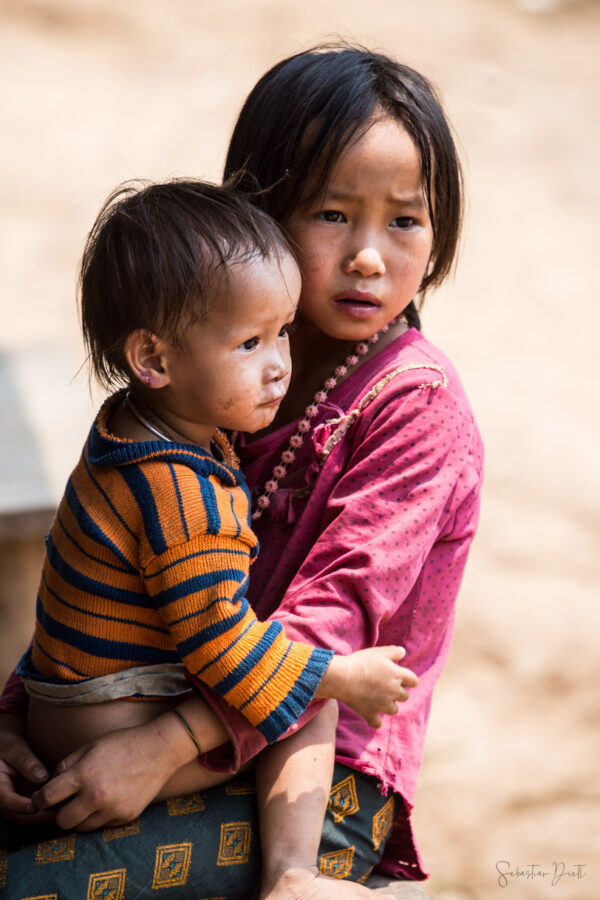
[366, 486]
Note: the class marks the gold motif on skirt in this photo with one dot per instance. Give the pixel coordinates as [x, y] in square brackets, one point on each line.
[42, 897]
[183, 806]
[107, 885]
[382, 823]
[337, 864]
[234, 846]
[240, 786]
[121, 831]
[57, 850]
[363, 878]
[3, 869]
[343, 800]
[172, 865]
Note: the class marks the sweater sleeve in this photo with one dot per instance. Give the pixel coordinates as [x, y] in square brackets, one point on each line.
[199, 588]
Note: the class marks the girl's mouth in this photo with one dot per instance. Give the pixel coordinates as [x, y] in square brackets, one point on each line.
[358, 304]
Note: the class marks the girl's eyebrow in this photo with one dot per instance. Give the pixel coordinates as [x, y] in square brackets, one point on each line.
[414, 198]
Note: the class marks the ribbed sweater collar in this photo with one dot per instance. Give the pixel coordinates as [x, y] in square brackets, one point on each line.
[105, 449]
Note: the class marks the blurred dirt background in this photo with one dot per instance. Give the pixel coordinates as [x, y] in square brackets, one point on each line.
[97, 91]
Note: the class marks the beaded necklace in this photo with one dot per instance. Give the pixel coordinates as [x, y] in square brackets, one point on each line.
[304, 424]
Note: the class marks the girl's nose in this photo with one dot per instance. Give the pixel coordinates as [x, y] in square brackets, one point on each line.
[367, 261]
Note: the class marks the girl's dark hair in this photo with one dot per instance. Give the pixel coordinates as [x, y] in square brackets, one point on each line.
[305, 110]
[151, 259]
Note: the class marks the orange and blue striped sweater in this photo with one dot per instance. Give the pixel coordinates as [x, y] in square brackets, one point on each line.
[147, 562]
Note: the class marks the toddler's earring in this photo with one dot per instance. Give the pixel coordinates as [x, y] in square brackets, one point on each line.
[148, 378]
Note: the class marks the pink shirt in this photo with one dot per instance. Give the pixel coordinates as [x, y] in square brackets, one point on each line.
[368, 545]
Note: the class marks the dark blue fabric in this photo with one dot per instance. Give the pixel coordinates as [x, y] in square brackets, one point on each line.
[201, 845]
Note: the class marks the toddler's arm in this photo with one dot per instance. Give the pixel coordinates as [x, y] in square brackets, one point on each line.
[252, 665]
[369, 681]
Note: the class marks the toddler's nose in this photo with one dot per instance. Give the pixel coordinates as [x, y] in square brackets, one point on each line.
[277, 369]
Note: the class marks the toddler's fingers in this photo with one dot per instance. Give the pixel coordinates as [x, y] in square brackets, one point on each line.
[408, 678]
[393, 652]
[375, 721]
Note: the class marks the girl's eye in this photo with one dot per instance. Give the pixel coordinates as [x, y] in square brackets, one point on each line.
[332, 215]
[250, 344]
[403, 222]
[284, 332]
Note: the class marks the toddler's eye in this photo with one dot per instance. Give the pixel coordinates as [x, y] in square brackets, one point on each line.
[285, 331]
[250, 344]
[332, 215]
[403, 222]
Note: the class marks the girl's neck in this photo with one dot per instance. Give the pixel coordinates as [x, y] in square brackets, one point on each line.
[314, 354]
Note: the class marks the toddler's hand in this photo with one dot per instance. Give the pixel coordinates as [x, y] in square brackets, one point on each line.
[370, 681]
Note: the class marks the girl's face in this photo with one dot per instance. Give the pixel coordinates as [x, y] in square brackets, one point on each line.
[365, 243]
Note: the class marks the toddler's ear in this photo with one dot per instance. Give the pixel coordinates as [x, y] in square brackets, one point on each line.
[145, 355]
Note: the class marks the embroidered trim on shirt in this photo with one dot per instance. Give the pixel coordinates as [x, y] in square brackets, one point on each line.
[344, 422]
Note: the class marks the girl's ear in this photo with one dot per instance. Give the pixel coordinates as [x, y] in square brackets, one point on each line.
[146, 358]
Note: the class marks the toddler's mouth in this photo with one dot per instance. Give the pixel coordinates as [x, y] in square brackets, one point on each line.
[273, 401]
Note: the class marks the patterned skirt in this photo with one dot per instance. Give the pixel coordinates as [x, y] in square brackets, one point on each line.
[203, 846]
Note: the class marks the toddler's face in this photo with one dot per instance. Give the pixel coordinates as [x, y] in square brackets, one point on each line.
[232, 369]
[364, 245]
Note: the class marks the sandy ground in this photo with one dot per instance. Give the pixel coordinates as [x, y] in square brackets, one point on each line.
[96, 92]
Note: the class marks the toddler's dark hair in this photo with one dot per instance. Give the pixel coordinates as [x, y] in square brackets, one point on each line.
[151, 259]
[306, 109]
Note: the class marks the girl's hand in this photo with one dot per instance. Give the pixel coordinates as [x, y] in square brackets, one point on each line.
[369, 681]
[18, 765]
[112, 779]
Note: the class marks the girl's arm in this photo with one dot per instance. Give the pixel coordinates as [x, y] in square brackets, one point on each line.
[112, 779]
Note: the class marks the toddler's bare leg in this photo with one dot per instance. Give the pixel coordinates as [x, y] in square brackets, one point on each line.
[194, 777]
[293, 781]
